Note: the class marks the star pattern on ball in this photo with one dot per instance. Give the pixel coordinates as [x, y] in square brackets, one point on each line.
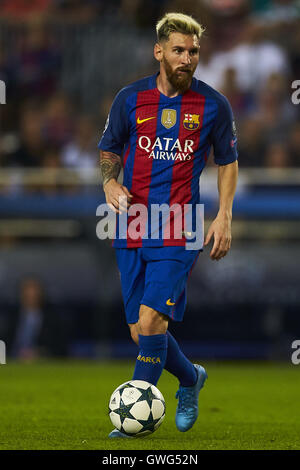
[147, 394]
[125, 411]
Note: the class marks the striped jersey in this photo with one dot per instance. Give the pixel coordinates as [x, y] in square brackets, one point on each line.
[164, 143]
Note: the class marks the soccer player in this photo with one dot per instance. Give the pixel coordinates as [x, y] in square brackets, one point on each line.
[160, 130]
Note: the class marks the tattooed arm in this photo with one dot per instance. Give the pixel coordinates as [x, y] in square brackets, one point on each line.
[110, 165]
[117, 195]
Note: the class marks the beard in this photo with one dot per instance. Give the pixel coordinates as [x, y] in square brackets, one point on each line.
[179, 81]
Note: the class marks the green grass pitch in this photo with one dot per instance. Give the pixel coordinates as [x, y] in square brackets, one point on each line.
[64, 405]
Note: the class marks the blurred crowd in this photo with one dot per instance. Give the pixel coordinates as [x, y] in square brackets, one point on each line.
[63, 61]
[32, 327]
[250, 52]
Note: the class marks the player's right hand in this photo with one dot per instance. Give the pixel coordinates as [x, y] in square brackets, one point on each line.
[117, 196]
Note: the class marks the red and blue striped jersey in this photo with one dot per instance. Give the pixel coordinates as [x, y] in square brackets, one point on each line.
[164, 143]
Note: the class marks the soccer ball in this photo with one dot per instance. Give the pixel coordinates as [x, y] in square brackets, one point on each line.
[137, 408]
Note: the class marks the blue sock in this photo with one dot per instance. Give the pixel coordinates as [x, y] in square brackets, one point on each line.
[151, 358]
[179, 365]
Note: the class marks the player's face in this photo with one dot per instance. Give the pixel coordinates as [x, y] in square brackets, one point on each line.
[180, 56]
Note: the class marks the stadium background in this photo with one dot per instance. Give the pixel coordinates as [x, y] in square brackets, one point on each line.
[62, 63]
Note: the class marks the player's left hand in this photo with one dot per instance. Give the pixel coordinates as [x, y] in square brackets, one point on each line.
[220, 230]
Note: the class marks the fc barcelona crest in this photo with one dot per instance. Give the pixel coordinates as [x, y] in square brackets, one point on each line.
[168, 118]
[191, 121]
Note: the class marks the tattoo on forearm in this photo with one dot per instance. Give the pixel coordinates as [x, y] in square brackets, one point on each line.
[110, 166]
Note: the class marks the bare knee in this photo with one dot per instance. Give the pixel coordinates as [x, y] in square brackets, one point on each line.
[151, 322]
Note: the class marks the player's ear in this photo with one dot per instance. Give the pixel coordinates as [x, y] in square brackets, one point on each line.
[158, 52]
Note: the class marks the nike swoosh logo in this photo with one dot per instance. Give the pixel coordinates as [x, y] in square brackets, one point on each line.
[168, 302]
[140, 121]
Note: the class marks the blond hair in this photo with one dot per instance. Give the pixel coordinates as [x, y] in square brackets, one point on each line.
[177, 23]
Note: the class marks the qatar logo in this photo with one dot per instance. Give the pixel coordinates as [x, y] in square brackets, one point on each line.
[167, 148]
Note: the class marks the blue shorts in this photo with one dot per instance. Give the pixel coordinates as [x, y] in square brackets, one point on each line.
[155, 277]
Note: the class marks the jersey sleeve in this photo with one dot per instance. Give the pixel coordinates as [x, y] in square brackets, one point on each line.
[116, 131]
[223, 135]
